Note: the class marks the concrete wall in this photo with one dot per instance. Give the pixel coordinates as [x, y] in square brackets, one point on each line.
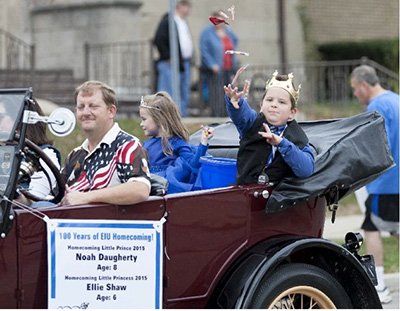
[57, 86]
[60, 30]
[15, 18]
[255, 24]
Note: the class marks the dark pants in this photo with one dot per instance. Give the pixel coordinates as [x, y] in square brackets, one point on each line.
[213, 90]
[385, 206]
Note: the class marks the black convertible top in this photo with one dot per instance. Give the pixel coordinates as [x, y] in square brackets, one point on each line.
[349, 153]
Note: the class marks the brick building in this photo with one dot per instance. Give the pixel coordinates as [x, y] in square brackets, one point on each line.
[327, 21]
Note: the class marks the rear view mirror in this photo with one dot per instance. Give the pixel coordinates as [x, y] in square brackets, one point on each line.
[61, 121]
[66, 122]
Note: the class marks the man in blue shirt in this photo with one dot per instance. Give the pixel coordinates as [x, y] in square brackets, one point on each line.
[383, 201]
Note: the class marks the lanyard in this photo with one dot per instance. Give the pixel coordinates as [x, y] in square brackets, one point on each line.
[274, 148]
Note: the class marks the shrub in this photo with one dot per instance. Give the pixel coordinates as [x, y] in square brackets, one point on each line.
[384, 52]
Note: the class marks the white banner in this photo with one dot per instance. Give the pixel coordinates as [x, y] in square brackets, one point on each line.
[104, 264]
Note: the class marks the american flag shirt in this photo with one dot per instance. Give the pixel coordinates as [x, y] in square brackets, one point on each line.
[117, 159]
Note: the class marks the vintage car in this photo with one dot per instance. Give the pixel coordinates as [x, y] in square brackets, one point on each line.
[255, 246]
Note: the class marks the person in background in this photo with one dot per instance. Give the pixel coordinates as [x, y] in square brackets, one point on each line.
[382, 204]
[170, 154]
[38, 181]
[217, 67]
[185, 49]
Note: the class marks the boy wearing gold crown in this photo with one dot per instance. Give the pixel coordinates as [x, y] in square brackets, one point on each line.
[272, 144]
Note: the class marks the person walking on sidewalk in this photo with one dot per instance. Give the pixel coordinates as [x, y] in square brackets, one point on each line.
[382, 204]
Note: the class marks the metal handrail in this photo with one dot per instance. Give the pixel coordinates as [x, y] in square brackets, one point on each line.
[15, 54]
[14, 38]
[351, 62]
[323, 81]
[120, 43]
[381, 68]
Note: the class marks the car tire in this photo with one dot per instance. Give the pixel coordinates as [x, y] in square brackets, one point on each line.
[300, 286]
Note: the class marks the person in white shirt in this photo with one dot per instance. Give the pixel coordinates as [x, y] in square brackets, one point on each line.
[185, 44]
[38, 180]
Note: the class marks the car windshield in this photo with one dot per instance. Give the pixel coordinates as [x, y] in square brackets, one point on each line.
[10, 107]
[12, 102]
[6, 160]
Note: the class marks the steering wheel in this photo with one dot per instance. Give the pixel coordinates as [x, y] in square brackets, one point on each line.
[59, 180]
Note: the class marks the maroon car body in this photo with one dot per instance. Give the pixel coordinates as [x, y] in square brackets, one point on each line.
[206, 233]
[220, 249]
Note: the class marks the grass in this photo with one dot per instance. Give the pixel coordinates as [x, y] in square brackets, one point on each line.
[350, 199]
[347, 206]
[391, 248]
[328, 110]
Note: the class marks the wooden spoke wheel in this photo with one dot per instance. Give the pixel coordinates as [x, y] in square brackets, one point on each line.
[302, 297]
[300, 286]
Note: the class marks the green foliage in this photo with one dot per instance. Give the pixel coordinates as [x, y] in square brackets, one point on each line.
[66, 144]
[348, 200]
[311, 52]
[391, 260]
[384, 52]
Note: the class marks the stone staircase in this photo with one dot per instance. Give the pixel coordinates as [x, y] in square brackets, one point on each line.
[57, 86]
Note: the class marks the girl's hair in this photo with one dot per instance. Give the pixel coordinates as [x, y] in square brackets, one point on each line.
[284, 78]
[37, 132]
[165, 114]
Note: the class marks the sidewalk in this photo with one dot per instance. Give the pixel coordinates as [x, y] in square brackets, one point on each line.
[392, 282]
[337, 232]
[342, 225]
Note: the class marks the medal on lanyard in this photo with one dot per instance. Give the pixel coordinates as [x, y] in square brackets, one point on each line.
[263, 178]
[273, 151]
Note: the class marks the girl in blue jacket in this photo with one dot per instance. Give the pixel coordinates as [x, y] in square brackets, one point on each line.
[170, 154]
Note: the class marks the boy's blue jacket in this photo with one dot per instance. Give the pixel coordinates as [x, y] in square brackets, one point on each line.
[300, 160]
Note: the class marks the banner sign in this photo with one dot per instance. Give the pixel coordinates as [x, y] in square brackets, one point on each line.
[104, 264]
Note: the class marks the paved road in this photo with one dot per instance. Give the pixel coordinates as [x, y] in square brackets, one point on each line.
[338, 230]
[392, 282]
[342, 225]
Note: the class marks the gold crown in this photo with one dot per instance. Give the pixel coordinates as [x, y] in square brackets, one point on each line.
[286, 85]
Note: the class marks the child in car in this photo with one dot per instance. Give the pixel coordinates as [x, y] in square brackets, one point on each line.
[170, 154]
[272, 144]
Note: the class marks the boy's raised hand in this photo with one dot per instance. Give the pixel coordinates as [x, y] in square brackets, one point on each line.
[271, 138]
[233, 94]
